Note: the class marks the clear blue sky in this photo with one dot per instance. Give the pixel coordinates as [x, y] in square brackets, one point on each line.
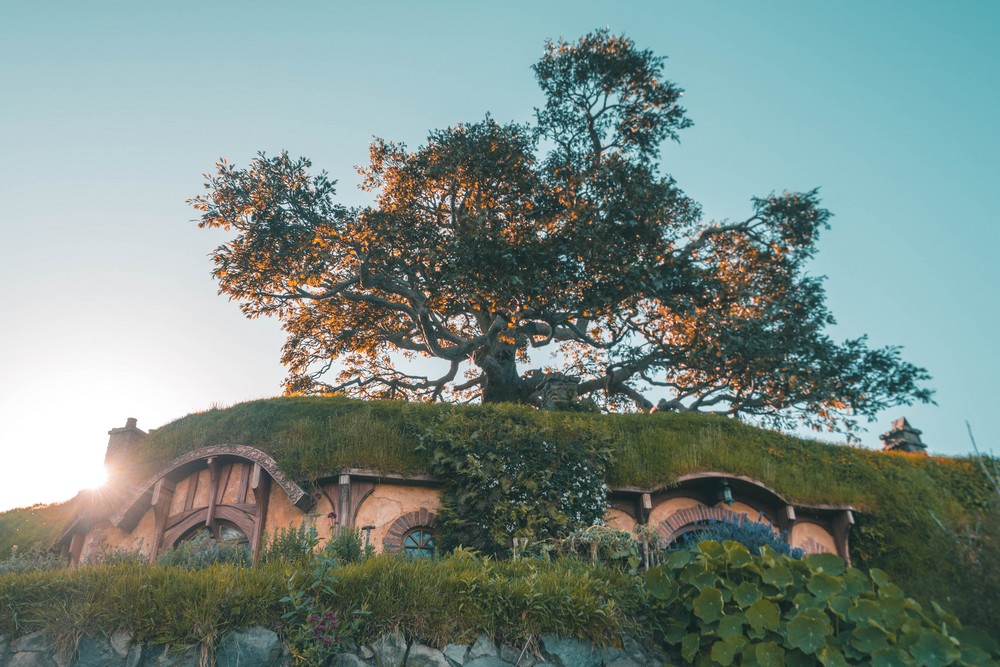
[111, 111]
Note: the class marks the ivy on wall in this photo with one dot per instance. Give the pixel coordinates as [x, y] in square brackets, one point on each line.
[507, 477]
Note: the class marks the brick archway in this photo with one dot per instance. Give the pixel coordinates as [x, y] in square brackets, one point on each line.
[684, 520]
[422, 518]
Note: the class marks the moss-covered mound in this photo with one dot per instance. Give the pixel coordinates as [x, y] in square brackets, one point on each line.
[910, 506]
[903, 500]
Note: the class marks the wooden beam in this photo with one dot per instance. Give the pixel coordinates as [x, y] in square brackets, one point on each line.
[163, 494]
[213, 492]
[260, 485]
[192, 488]
[241, 495]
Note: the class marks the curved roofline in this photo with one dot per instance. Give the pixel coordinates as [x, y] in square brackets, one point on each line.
[185, 464]
[750, 481]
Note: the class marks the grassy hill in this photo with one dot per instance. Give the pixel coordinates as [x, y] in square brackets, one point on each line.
[910, 506]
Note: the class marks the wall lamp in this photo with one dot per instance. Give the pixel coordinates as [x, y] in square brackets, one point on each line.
[725, 493]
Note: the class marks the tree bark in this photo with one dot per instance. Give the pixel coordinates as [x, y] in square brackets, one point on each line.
[501, 383]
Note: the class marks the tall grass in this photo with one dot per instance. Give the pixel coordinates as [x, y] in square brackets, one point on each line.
[451, 599]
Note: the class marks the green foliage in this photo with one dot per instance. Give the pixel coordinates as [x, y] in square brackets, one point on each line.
[38, 525]
[108, 555]
[457, 597]
[156, 604]
[974, 570]
[506, 477]
[202, 551]
[311, 625]
[897, 495]
[348, 546]
[479, 247]
[32, 559]
[718, 605]
[751, 534]
[616, 548]
[722, 605]
[454, 598]
[291, 545]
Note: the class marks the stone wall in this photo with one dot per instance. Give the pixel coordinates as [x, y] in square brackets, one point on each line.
[261, 647]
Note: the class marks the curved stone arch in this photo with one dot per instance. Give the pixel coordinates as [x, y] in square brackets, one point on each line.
[184, 465]
[422, 518]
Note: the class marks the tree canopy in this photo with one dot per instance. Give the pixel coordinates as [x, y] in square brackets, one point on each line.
[520, 257]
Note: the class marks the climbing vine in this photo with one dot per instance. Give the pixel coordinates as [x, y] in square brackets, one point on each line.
[508, 477]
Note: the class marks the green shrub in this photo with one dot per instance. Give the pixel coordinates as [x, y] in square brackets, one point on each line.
[294, 544]
[311, 625]
[108, 555]
[506, 476]
[601, 544]
[32, 559]
[202, 551]
[752, 534]
[722, 605]
[348, 546]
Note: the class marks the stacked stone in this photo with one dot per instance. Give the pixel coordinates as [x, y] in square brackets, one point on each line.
[261, 647]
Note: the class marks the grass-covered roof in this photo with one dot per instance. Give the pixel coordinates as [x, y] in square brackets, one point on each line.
[313, 437]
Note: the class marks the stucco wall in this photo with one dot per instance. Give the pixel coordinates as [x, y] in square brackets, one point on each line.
[281, 513]
[619, 520]
[812, 538]
[388, 502]
[231, 475]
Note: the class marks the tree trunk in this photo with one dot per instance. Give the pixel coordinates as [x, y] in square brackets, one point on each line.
[501, 383]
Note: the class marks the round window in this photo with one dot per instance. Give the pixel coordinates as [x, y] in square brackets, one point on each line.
[419, 543]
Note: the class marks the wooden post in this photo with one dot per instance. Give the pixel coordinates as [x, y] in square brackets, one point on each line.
[163, 494]
[260, 485]
[213, 494]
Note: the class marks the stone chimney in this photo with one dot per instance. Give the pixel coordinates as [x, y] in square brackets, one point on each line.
[558, 390]
[903, 438]
[118, 460]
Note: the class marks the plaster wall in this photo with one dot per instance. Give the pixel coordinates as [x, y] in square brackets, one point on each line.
[281, 513]
[619, 520]
[180, 493]
[204, 487]
[812, 538]
[231, 474]
[388, 502]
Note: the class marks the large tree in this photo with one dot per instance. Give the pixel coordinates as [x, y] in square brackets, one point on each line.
[491, 241]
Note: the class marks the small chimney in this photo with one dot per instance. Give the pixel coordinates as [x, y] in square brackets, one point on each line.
[122, 442]
[903, 438]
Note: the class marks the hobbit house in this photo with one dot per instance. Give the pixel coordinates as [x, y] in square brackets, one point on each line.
[235, 492]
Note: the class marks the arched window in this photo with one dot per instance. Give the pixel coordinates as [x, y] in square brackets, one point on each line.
[419, 543]
[222, 531]
[412, 534]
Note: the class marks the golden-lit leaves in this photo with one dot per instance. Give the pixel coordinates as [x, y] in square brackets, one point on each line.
[477, 250]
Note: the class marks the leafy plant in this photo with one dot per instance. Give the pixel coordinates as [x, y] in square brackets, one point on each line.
[310, 624]
[294, 544]
[109, 555]
[722, 605]
[602, 544]
[202, 551]
[32, 559]
[506, 478]
[752, 534]
[348, 546]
